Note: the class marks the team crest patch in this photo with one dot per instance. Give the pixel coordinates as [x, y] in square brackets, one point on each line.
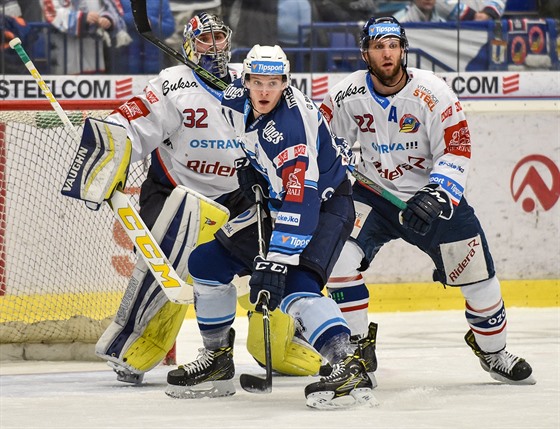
[409, 124]
[294, 180]
[458, 139]
[133, 109]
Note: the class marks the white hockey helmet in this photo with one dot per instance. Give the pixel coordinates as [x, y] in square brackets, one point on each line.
[266, 60]
[212, 59]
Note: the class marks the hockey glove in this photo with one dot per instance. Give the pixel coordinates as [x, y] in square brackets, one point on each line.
[247, 177]
[269, 278]
[424, 207]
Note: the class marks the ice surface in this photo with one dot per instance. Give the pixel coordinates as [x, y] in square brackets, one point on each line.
[428, 378]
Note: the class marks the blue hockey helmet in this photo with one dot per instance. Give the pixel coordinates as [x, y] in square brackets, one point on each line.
[384, 27]
[380, 28]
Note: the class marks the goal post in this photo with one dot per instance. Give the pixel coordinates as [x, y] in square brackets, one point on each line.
[63, 267]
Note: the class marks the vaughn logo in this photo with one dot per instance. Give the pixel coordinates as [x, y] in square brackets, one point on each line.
[75, 171]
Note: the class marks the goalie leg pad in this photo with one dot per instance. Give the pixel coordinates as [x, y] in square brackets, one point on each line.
[290, 354]
[147, 323]
[101, 163]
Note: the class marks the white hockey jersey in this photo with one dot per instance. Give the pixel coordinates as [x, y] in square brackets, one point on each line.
[178, 120]
[418, 136]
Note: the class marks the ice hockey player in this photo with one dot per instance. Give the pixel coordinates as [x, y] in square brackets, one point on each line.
[414, 142]
[178, 121]
[303, 171]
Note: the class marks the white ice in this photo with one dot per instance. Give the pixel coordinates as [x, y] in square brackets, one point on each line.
[428, 378]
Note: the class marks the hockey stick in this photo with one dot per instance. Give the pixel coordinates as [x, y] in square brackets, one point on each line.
[164, 273]
[378, 189]
[140, 14]
[252, 383]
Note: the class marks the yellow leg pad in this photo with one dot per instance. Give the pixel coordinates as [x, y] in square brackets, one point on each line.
[158, 337]
[290, 355]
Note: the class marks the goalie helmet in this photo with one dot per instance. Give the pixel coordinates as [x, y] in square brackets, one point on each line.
[384, 27]
[266, 60]
[213, 57]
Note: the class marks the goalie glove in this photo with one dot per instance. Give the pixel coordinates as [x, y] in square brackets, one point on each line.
[101, 163]
[268, 278]
[428, 204]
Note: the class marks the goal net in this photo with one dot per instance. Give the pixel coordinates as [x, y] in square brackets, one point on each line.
[63, 267]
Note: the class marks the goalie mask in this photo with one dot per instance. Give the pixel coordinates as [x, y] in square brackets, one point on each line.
[207, 42]
[266, 60]
[381, 28]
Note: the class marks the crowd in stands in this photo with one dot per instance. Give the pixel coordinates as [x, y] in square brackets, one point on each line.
[99, 36]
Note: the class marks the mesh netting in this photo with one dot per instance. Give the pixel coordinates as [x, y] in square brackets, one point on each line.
[63, 267]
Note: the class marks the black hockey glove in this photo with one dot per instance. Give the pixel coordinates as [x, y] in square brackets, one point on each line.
[424, 207]
[247, 177]
[270, 278]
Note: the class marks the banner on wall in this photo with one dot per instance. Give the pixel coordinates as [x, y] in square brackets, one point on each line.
[479, 85]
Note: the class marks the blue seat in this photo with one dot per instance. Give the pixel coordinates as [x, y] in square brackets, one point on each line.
[345, 54]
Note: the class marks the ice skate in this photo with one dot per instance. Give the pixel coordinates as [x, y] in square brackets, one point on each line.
[210, 375]
[125, 375]
[502, 366]
[348, 385]
[366, 350]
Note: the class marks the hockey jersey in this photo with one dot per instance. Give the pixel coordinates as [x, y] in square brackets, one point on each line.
[418, 136]
[178, 120]
[294, 149]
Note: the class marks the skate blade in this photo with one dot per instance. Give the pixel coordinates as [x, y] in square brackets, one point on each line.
[527, 381]
[373, 380]
[125, 375]
[357, 398]
[209, 389]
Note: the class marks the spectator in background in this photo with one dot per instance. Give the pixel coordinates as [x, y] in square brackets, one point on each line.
[141, 56]
[252, 21]
[86, 26]
[12, 25]
[470, 10]
[291, 14]
[344, 10]
[419, 11]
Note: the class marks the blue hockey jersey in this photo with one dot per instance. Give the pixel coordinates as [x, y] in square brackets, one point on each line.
[302, 161]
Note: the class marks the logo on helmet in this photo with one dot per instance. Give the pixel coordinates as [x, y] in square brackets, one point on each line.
[267, 67]
[385, 30]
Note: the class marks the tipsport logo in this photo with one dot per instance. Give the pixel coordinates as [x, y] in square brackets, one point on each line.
[384, 29]
[267, 67]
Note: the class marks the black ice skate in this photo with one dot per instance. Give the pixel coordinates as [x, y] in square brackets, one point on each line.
[125, 375]
[347, 385]
[502, 365]
[366, 350]
[210, 375]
